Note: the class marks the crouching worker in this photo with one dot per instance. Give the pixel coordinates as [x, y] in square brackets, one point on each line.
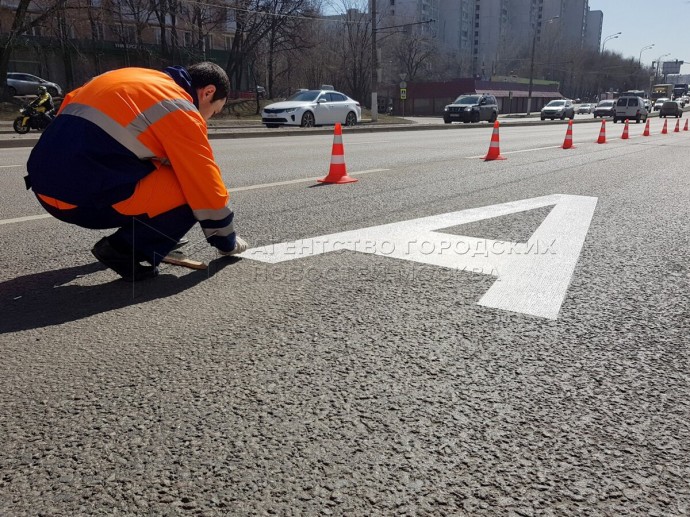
[130, 150]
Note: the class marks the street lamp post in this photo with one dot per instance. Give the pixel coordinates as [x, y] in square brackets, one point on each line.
[607, 38]
[658, 60]
[374, 66]
[531, 66]
[642, 50]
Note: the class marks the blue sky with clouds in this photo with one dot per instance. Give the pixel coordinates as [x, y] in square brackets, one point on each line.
[643, 22]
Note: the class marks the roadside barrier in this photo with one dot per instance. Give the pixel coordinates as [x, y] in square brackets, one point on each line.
[646, 129]
[625, 134]
[602, 133]
[677, 129]
[568, 142]
[494, 147]
[664, 130]
[337, 173]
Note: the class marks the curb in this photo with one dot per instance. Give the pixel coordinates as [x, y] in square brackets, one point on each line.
[226, 132]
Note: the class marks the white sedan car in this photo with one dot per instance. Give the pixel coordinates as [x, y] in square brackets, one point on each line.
[309, 108]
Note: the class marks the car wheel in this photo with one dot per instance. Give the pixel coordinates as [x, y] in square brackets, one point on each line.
[543, 118]
[446, 121]
[351, 119]
[12, 91]
[272, 126]
[493, 117]
[308, 119]
[563, 116]
[475, 116]
[52, 91]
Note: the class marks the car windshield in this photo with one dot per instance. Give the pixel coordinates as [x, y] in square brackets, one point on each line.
[556, 103]
[308, 96]
[466, 99]
[605, 104]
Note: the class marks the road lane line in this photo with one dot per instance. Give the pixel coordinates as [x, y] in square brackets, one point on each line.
[23, 219]
[293, 182]
[237, 189]
[9, 166]
[515, 152]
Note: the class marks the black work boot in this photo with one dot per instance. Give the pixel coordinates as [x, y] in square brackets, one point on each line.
[123, 263]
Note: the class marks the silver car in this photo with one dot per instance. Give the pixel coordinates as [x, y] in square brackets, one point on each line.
[26, 84]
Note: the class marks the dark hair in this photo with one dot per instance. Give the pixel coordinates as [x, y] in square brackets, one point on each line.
[207, 73]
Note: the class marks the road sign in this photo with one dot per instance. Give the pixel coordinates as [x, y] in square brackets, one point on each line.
[532, 277]
[403, 94]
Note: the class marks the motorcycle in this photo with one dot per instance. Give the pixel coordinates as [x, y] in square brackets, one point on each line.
[29, 119]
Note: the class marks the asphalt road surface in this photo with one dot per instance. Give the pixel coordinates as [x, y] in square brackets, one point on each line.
[447, 336]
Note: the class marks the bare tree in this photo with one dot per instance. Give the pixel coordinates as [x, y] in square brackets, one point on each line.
[20, 24]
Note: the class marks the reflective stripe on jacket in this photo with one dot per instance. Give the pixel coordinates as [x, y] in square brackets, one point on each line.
[132, 138]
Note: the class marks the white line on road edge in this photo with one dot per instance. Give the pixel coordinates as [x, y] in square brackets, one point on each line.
[237, 189]
[10, 166]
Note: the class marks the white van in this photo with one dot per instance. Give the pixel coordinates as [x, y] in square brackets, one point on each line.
[630, 107]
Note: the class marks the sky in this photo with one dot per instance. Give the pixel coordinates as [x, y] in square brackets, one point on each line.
[643, 22]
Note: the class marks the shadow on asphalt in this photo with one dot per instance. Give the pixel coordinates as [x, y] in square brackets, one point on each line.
[43, 299]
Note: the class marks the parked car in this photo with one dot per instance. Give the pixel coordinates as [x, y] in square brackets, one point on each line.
[630, 107]
[671, 109]
[26, 84]
[561, 109]
[313, 108]
[473, 107]
[606, 108]
[659, 103]
[584, 108]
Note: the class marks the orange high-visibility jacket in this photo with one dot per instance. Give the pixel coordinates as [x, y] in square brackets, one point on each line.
[134, 139]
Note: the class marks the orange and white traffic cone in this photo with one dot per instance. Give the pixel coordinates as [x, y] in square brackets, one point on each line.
[337, 172]
[602, 133]
[685, 127]
[664, 130]
[646, 129]
[625, 134]
[494, 148]
[568, 142]
[677, 129]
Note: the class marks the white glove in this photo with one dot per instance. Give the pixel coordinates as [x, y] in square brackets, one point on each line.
[240, 247]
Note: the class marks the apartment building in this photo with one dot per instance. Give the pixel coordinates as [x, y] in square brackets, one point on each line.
[595, 22]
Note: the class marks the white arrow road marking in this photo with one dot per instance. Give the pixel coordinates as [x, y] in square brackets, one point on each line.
[533, 277]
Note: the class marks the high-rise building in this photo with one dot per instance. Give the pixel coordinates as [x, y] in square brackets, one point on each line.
[489, 30]
[595, 21]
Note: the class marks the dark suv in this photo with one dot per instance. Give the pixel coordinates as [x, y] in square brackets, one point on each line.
[471, 107]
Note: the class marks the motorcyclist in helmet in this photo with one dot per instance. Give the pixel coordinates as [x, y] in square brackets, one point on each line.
[43, 104]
